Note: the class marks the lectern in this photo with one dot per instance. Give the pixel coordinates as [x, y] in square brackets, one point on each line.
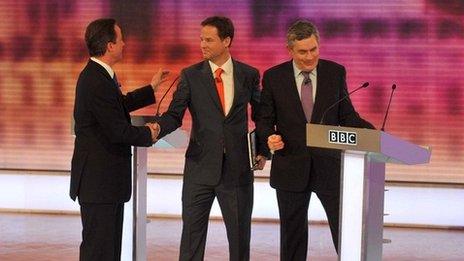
[364, 154]
[134, 238]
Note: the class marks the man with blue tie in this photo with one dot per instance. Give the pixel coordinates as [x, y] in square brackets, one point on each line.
[101, 163]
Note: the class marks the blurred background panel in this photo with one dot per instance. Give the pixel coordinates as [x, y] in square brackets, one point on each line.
[416, 44]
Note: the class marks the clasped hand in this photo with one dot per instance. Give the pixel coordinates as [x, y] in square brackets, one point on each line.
[274, 142]
[154, 130]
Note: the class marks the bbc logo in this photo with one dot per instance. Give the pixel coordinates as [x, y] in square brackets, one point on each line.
[342, 137]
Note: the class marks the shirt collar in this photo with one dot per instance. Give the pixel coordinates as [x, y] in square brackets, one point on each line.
[227, 67]
[298, 71]
[104, 65]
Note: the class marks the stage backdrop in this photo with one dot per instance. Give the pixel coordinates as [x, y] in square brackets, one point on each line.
[416, 44]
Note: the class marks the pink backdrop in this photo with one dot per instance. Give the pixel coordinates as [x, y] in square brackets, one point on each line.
[416, 44]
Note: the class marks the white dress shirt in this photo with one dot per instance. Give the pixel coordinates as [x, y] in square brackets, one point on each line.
[104, 65]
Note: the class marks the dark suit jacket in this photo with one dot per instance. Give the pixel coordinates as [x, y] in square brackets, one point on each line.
[214, 137]
[101, 163]
[281, 112]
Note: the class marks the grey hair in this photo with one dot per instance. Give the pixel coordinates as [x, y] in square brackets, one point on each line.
[300, 30]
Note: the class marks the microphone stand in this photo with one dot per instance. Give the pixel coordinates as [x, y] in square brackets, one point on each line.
[337, 102]
[388, 107]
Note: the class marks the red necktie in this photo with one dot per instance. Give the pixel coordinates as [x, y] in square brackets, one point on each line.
[220, 87]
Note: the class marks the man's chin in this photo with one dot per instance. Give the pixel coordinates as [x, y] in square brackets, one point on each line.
[310, 67]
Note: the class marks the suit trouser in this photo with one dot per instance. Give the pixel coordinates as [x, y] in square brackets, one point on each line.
[236, 203]
[101, 231]
[293, 211]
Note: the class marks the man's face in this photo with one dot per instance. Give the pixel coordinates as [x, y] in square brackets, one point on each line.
[115, 49]
[212, 47]
[305, 53]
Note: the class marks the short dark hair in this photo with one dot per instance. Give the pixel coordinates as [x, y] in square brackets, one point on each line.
[224, 26]
[300, 30]
[98, 34]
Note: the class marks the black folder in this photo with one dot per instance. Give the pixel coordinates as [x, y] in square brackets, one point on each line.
[252, 149]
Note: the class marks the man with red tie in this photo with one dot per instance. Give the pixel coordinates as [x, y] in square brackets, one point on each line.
[217, 92]
[295, 93]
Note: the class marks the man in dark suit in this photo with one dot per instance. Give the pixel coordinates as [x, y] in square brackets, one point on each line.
[101, 163]
[217, 92]
[295, 93]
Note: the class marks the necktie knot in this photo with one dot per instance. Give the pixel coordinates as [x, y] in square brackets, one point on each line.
[306, 79]
[217, 74]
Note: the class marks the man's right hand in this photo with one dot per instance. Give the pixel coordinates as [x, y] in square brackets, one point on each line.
[274, 142]
[154, 130]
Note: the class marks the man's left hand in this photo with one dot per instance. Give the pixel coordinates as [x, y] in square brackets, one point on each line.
[261, 162]
[158, 79]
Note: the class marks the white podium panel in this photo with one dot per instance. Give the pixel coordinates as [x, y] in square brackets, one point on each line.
[134, 237]
[364, 154]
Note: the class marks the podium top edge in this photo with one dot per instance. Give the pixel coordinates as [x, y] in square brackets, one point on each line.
[367, 140]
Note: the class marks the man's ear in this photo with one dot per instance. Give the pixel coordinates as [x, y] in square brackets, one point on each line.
[109, 46]
[227, 41]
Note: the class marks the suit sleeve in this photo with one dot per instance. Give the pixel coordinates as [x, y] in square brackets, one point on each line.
[139, 98]
[265, 125]
[346, 113]
[255, 110]
[172, 118]
[255, 96]
[110, 115]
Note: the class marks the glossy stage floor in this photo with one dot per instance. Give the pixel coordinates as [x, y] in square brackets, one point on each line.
[56, 237]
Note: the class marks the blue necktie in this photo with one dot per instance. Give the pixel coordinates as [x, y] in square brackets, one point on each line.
[115, 79]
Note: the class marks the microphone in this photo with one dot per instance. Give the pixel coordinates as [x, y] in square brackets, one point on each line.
[307, 81]
[364, 85]
[164, 95]
[388, 107]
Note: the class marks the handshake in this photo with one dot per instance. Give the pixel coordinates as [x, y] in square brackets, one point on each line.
[154, 130]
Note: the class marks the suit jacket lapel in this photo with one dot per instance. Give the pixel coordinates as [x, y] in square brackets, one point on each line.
[208, 81]
[321, 92]
[294, 97]
[238, 85]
